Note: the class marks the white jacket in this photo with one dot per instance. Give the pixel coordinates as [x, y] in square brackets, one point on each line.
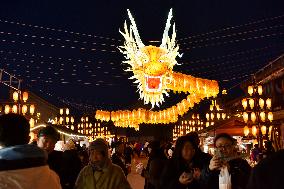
[30, 178]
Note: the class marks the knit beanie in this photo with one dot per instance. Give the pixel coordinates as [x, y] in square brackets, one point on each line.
[99, 145]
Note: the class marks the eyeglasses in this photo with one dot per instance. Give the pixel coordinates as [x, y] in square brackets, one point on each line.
[227, 146]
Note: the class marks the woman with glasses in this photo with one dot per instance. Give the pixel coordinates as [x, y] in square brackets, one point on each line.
[226, 156]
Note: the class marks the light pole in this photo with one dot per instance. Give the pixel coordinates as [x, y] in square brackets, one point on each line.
[257, 113]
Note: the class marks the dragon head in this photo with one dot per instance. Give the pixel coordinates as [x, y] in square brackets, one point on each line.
[151, 65]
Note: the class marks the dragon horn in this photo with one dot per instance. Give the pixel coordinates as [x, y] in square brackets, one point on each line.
[135, 30]
[167, 28]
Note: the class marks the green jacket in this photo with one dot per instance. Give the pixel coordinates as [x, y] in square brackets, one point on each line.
[112, 177]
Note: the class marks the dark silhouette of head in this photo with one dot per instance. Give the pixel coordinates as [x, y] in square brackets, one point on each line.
[14, 130]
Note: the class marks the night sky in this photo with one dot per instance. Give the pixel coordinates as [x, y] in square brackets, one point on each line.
[66, 50]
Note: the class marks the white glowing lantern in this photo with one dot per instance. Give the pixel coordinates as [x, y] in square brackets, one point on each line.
[15, 96]
[223, 115]
[67, 111]
[245, 117]
[246, 131]
[262, 116]
[24, 109]
[268, 103]
[15, 109]
[259, 90]
[245, 103]
[270, 116]
[251, 103]
[263, 130]
[87, 119]
[61, 111]
[32, 122]
[25, 96]
[250, 90]
[212, 116]
[254, 130]
[261, 103]
[67, 120]
[72, 120]
[207, 116]
[253, 117]
[32, 109]
[218, 116]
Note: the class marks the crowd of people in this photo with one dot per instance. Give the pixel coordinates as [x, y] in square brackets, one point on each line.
[37, 165]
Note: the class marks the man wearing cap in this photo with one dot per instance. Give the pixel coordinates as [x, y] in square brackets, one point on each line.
[101, 173]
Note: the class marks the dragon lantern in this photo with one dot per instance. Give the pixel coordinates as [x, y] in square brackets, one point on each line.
[152, 68]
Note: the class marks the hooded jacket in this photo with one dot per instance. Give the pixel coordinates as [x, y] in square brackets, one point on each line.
[24, 167]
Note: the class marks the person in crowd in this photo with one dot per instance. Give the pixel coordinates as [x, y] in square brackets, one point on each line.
[145, 148]
[156, 162]
[22, 165]
[118, 157]
[71, 165]
[225, 155]
[101, 173]
[84, 158]
[128, 153]
[47, 138]
[268, 174]
[200, 155]
[255, 152]
[269, 150]
[182, 171]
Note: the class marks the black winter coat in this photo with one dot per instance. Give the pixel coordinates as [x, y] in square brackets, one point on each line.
[239, 170]
[268, 174]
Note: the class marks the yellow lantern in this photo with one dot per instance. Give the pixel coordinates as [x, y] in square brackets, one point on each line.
[251, 103]
[211, 107]
[270, 116]
[268, 103]
[72, 127]
[207, 116]
[15, 96]
[259, 89]
[261, 103]
[61, 120]
[61, 111]
[67, 120]
[246, 131]
[7, 109]
[24, 109]
[32, 122]
[87, 119]
[223, 115]
[218, 116]
[250, 90]
[25, 96]
[67, 111]
[262, 116]
[269, 130]
[245, 103]
[72, 120]
[253, 117]
[32, 109]
[15, 109]
[263, 130]
[212, 116]
[245, 117]
[254, 130]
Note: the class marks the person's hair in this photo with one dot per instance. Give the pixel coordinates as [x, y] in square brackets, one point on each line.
[180, 144]
[14, 130]
[194, 136]
[226, 136]
[49, 131]
[118, 143]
